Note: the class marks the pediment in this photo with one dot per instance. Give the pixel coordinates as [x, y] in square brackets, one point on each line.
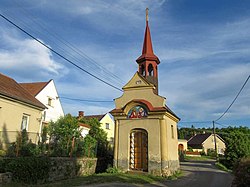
[138, 81]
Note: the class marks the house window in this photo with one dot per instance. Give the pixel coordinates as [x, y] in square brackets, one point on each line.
[107, 126]
[172, 131]
[25, 122]
[50, 101]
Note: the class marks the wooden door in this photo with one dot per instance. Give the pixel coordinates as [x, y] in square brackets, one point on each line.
[139, 150]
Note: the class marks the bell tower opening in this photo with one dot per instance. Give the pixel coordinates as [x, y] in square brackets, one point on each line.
[150, 70]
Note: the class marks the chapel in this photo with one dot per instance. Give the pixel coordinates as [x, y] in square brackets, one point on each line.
[145, 127]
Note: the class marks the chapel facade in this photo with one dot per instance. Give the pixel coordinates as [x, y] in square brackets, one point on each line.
[145, 127]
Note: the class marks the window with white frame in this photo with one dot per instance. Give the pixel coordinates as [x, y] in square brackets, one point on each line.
[107, 126]
[25, 122]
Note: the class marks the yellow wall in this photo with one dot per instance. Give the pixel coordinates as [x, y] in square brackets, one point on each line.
[172, 142]
[162, 147]
[150, 125]
[11, 114]
[110, 131]
[209, 144]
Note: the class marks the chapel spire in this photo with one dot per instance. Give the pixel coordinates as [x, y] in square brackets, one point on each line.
[148, 61]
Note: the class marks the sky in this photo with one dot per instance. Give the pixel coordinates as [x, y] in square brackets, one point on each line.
[203, 47]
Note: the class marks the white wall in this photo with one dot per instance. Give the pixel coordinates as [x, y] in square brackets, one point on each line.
[55, 110]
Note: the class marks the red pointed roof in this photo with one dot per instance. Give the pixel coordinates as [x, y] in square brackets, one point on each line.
[147, 50]
[35, 87]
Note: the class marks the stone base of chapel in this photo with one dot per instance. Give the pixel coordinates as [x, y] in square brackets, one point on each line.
[164, 168]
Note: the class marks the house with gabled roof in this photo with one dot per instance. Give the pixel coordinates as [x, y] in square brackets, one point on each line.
[206, 141]
[106, 121]
[19, 110]
[47, 94]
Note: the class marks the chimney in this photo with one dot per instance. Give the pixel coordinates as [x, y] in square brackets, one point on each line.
[81, 114]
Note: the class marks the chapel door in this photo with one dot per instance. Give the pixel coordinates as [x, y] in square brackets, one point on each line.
[139, 150]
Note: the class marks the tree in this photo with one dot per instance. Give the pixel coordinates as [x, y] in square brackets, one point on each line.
[62, 134]
[238, 145]
[99, 135]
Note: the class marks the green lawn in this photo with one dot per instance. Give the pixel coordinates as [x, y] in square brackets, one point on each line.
[104, 178]
[201, 158]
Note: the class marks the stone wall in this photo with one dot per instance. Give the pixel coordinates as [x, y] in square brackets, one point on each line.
[65, 168]
[5, 177]
[62, 168]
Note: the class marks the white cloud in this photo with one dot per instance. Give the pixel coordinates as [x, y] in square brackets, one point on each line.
[27, 55]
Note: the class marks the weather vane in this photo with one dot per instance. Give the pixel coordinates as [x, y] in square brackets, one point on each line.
[147, 14]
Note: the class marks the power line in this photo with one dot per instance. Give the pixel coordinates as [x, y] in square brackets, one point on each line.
[195, 121]
[234, 99]
[221, 124]
[92, 67]
[86, 100]
[57, 53]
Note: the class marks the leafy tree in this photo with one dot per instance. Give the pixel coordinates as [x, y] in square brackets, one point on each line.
[99, 135]
[62, 134]
[89, 146]
[238, 146]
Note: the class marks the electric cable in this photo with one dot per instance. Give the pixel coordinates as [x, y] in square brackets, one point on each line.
[66, 59]
[234, 99]
[85, 100]
[93, 66]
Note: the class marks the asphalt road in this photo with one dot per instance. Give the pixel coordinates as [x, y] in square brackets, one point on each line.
[201, 174]
[196, 174]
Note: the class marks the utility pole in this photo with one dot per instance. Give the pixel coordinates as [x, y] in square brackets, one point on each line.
[215, 145]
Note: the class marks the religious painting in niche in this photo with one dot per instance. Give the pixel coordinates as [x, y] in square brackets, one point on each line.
[137, 112]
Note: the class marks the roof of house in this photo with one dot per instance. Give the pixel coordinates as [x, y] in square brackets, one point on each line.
[10, 88]
[84, 125]
[98, 117]
[198, 139]
[35, 87]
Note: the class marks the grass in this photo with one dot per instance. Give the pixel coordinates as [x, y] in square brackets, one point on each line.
[103, 178]
[201, 158]
[222, 167]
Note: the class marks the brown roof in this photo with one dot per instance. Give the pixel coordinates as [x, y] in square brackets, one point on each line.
[98, 117]
[10, 88]
[35, 87]
[84, 125]
[197, 140]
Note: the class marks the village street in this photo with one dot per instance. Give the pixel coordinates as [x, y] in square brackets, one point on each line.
[196, 174]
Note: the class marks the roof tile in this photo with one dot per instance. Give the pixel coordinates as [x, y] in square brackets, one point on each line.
[10, 88]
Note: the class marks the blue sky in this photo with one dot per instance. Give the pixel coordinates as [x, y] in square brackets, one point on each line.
[203, 46]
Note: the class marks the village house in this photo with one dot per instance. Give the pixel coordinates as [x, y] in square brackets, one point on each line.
[145, 127]
[182, 145]
[106, 121]
[47, 94]
[19, 110]
[205, 142]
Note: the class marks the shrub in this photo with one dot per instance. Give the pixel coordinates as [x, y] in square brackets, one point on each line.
[2, 153]
[113, 170]
[242, 173]
[29, 169]
[211, 152]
